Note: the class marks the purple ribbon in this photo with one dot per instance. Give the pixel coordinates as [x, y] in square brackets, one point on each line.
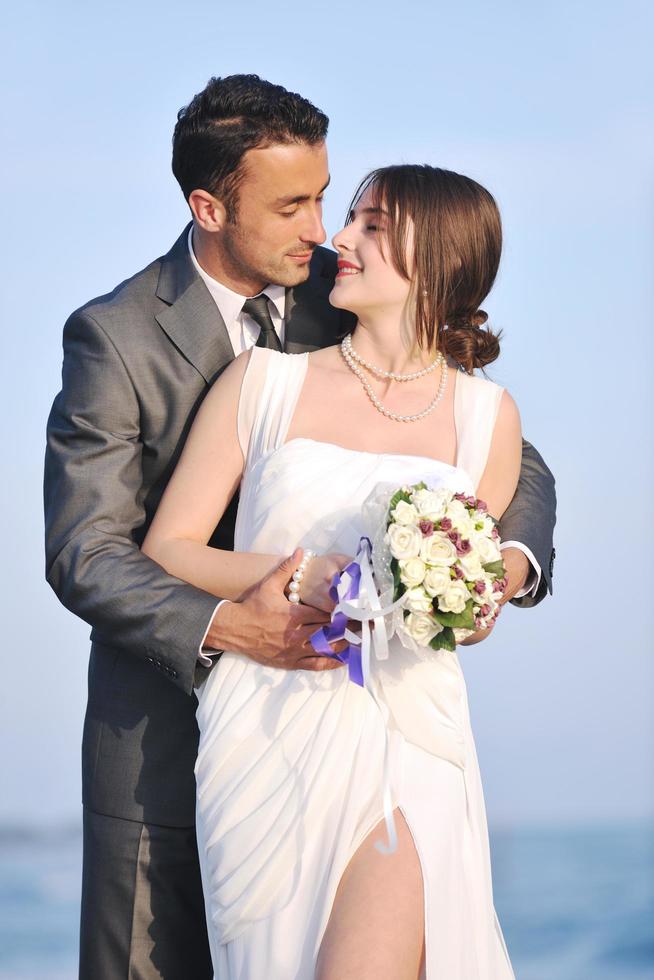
[322, 638]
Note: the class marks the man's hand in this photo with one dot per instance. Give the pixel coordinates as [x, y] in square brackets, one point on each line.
[268, 628]
[517, 568]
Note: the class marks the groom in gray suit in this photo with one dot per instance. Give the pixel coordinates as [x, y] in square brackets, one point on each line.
[251, 160]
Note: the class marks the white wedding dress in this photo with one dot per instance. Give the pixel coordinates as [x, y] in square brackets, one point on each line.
[290, 763]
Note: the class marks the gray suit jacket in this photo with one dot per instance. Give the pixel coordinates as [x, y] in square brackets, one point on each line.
[137, 364]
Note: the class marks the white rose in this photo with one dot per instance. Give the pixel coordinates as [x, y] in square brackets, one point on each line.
[431, 503]
[437, 580]
[412, 571]
[422, 627]
[417, 601]
[471, 566]
[404, 542]
[486, 548]
[455, 598]
[460, 517]
[438, 550]
[405, 513]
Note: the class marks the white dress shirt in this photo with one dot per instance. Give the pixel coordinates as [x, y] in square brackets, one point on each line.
[533, 578]
[242, 329]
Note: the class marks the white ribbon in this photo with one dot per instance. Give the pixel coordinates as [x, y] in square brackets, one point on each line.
[367, 610]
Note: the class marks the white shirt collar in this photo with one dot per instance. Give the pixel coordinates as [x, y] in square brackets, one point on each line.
[228, 302]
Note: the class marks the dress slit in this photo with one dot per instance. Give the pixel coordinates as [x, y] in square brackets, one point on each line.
[378, 821]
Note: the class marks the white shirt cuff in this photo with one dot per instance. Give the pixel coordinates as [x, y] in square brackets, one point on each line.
[203, 657]
[533, 579]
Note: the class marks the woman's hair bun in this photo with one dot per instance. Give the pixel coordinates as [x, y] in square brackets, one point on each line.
[466, 342]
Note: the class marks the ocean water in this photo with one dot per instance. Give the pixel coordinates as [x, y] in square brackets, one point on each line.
[575, 904]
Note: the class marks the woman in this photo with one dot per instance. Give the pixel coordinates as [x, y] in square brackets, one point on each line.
[289, 765]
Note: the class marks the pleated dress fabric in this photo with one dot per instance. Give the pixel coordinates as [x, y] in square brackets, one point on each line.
[290, 763]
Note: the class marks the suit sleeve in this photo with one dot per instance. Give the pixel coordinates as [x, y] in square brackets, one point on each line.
[93, 501]
[531, 516]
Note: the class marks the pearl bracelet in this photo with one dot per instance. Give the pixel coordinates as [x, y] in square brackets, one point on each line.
[298, 575]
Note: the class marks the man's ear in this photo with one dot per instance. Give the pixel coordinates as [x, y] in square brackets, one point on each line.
[209, 213]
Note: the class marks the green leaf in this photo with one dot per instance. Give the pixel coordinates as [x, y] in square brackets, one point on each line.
[395, 499]
[399, 588]
[443, 640]
[495, 568]
[464, 620]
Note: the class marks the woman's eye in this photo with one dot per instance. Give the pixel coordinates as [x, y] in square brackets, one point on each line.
[289, 214]
[372, 228]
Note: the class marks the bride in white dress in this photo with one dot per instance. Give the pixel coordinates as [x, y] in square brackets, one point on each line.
[290, 764]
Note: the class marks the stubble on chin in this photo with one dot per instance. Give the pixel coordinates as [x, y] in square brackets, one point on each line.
[288, 275]
[276, 270]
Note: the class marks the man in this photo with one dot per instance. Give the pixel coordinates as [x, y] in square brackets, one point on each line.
[251, 160]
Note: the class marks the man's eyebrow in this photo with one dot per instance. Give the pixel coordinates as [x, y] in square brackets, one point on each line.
[299, 198]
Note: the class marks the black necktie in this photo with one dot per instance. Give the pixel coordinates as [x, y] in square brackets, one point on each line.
[257, 308]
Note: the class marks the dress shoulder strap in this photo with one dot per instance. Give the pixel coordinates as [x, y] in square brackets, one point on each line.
[476, 404]
[269, 392]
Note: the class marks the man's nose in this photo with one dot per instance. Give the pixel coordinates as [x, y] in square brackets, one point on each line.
[314, 230]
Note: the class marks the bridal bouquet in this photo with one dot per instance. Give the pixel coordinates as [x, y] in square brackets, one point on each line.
[430, 570]
[446, 565]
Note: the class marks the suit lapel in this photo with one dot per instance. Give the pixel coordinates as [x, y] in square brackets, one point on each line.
[191, 318]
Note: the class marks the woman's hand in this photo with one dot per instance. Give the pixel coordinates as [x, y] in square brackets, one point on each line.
[476, 637]
[315, 586]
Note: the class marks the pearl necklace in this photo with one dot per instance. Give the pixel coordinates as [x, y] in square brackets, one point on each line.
[347, 346]
[347, 352]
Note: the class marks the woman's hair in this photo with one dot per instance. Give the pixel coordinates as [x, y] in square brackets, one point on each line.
[227, 118]
[456, 247]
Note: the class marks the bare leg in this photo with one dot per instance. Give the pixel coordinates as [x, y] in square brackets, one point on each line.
[376, 927]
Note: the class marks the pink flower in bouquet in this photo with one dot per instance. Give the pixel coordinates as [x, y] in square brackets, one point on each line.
[479, 587]
[426, 526]
[446, 524]
[462, 545]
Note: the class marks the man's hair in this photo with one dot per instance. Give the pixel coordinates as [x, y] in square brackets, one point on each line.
[229, 117]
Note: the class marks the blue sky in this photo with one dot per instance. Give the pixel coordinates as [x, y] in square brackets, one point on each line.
[550, 107]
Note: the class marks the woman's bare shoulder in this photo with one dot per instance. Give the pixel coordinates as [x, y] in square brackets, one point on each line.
[508, 416]
[328, 361]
